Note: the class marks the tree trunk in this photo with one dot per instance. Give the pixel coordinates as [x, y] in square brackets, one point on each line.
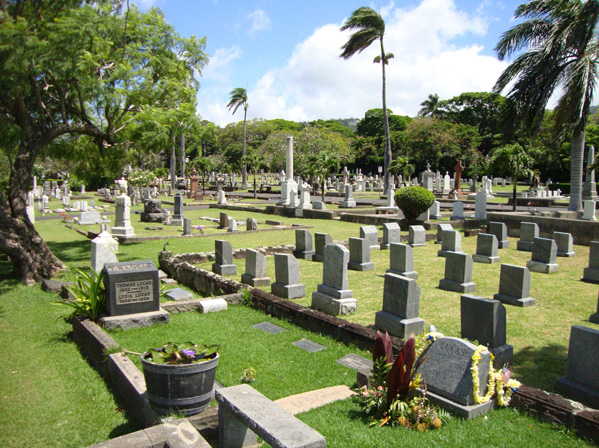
[388, 153]
[244, 183]
[31, 257]
[515, 191]
[173, 164]
[576, 165]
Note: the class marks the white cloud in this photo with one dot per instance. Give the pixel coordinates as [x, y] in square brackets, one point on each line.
[316, 83]
[145, 4]
[220, 64]
[260, 21]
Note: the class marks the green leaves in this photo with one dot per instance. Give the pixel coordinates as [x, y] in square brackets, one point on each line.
[182, 353]
[89, 295]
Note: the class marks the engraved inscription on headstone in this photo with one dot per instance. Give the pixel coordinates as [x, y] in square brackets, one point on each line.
[131, 287]
[356, 362]
[133, 292]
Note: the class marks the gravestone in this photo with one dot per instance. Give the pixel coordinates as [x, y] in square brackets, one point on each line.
[391, 234]
[223, 254]
[594, 318]
[484, 320]
[359, 255]
[401, 303]
[304, 248]
[448, 376]
[588, 213]
[177, 219]
[186, 226]
[565, 244]
[321, 241]
[104, 250]
[232, 225]
[153, 212]
[370, 234]
[287, 279]
[591, 273]
[178, 294]
[348, 200]
[543, 259]
[458, 273]
[319, 205]
[440, 229]
[499, 229]
[458, 211]
[480, 206]
[528, 232]
[255, 269]
[416, 236]
[582, 368]
[304, 201]
[402, 260]
[486, 249]
[514, 286]
[288, 185]
[309, 346]
[251, 224]
[122, 222]
[435, 211]
[451, 241]
[223, 221]
[131, 287]
[333, 295]
[89, 217]
[269, 327]
[589, 189]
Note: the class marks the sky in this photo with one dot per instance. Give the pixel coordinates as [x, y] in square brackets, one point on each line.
[286, 54]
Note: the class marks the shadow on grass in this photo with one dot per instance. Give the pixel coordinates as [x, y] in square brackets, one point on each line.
[540, 366]
[71, 251]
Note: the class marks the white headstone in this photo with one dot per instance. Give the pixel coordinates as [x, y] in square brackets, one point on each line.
[104, 250]
[589, 211]
[480, 207]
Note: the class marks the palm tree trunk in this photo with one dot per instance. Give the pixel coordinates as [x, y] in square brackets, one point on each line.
[514, 193]
[244, 183]
[388, 154]
[576, 163]
[173, 164]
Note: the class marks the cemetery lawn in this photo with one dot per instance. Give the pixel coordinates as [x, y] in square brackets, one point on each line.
[51, 396]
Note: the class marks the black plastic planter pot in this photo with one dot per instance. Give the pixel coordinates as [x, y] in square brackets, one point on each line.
[180, 388]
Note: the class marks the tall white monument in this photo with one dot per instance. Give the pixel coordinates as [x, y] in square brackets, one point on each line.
[122, 223]
[289, 186]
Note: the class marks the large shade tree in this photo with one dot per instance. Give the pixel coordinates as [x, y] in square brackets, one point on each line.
[369, 27]
[73, 68]
[239, 97]
[562, 50]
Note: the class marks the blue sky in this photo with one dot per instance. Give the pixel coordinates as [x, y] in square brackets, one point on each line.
[286, 54]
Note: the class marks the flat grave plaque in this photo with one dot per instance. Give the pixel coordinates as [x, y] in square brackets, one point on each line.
[269, 328]
[309, 346]
[179, 294]
[356, 362]
[131, 287]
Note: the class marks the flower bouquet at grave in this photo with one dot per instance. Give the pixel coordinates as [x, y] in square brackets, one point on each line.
[183, 353]
[393, 398]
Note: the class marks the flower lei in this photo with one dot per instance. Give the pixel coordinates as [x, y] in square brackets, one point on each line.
[495, 382]
[429, 338]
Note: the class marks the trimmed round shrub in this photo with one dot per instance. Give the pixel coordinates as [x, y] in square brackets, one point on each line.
[413, 201]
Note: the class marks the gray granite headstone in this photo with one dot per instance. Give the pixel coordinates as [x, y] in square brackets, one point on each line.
[514, 286]
[582, 369]
[440, 229]
[269, 327]
[287, 276]
[499, 229]
[435, 211]
[359, 255]
[309, 346]
[458, 211]
[451, 241]
[486, 249]
[304, 247]
[186, 226]
[232, 225]
[223, 221]
[484, 320]
[223, 254]
[528, 232]
[333, 295]
[177, 218]
[594, 318]
[401, 303]
[391, 234]
[179, 294]
[458, 273]
[251, 224]
[591, 273]
[255, 269]
[402, 260]
[543, 259]
[321, 240]
[131, 287]
[565, 244]
[370, 234]
[417, 236]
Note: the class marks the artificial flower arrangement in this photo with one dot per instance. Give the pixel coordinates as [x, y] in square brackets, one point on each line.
[391, 400]
[184, 353]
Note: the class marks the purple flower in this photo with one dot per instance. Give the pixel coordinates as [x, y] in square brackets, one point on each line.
[189, 353]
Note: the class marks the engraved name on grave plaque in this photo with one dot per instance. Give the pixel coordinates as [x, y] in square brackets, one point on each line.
[131, 287]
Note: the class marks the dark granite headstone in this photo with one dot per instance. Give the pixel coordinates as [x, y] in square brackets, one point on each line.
[458, 273]
[391, 234]
[499, 229]
[321, 240]
[514, 286]
[528, 232]
[131, 287]
[591, 273]
[304, 248]
[440, 229]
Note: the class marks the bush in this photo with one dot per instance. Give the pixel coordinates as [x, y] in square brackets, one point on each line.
[413, 201]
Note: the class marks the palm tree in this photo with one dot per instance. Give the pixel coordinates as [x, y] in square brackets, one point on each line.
[515, 160]
[562, 53]
[370, 26]
[429, 106]
[254, 162]
[239, 97]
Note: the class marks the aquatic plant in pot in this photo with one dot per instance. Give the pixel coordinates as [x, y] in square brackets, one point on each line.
[180, 377]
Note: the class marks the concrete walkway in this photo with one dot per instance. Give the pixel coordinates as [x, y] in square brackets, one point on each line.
[295, 404]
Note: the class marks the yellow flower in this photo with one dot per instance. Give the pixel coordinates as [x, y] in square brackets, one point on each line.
[436, 423]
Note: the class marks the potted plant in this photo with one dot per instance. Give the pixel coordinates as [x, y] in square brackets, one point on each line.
[180, 377]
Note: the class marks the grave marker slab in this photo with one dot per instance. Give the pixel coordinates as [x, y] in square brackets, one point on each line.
[458, 211]
[359, 255]
[223, 221]
[321, 241]
[528, 232]
[287, 276]
[458, 273]
[401, 303]
[451, 241]
[417, 236]
[440, 229]
[402, 260]
[232, 225]
[131, 287]
[594, 318]
[486, 249]
[543, 259]
[565, 244]
[435, 211]
[255, 269]
[309, 346]
[304, 248]
[591, 273]
[499, 229]
[104, 250]
[370, 234]
[355, 362]
[179, 294]
[186, 226]
[251, 224]
[391, 234]
[589, 213]
[333, 295]
[223, 254]
[269, 327]
[514, 286]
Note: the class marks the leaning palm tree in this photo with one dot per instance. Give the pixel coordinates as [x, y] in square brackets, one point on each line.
[239, 97]
[562, 51]
[370, 26]
[429, 106]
